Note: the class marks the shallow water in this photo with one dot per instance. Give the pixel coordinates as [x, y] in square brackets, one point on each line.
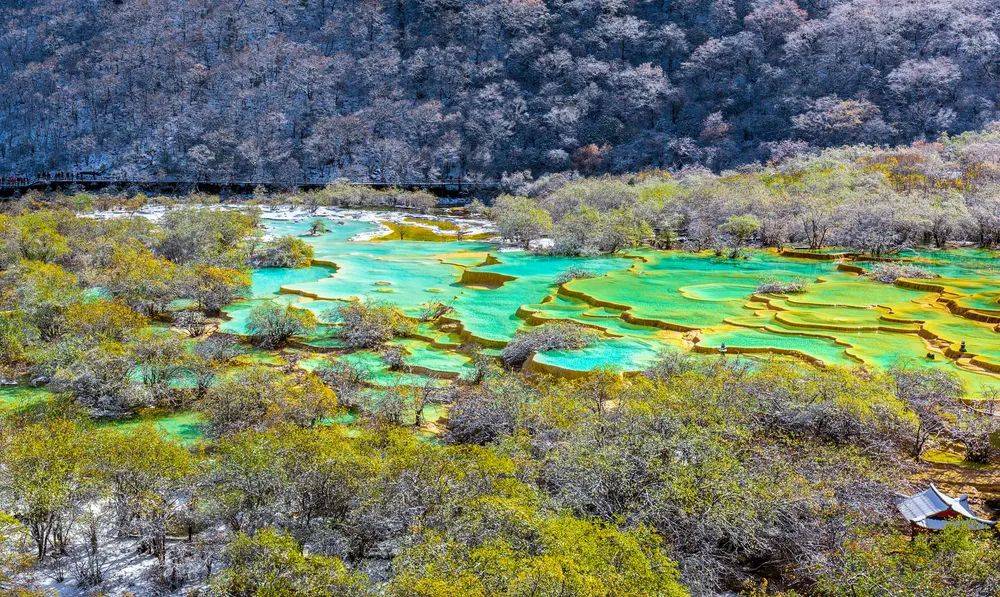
[184, 426]
[642, 303]
[19, 396]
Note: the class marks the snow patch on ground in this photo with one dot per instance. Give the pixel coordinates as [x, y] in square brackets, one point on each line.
[541, 244]
[127, 571]
[291, 213]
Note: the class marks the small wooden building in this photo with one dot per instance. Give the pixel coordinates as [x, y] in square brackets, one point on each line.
[932, 510]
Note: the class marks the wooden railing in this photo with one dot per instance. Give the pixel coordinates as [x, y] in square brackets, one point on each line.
[92, 181]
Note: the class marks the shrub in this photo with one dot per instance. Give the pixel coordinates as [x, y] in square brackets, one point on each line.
[218, 349]
[42, 292]
[574, 273]
[671, 363]
[346, 379]
[780, 287]
[13, 560]
[202, 235]
[836, 406]
[272, 563]
[520, 220]
[49, 474]
[318, 227]
[16, 334]
[258, 397]
[979, 429]
[161, 359]
[589, 231]
[490, 411]
[272, 325]
[140, 279]
[930, 394]
[741, 228]
[102, 320]
[956, 561]
[100, 379]
[214, 287]
[369, 325]
[394, 358]
[285, 251]
[192, 322]
[888, 273]
[550, 336]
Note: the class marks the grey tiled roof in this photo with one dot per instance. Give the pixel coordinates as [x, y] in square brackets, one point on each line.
[922, 505]
[921, 509]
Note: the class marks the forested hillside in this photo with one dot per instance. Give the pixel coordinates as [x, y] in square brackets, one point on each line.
[407, 90]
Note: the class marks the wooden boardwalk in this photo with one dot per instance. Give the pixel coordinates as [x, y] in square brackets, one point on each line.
[15, 185]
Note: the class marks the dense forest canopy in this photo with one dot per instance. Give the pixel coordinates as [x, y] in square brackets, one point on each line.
[409, 90]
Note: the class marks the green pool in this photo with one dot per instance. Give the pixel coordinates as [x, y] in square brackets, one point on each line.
[641, 303]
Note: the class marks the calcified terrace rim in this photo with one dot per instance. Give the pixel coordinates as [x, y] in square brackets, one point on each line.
[661, 300]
